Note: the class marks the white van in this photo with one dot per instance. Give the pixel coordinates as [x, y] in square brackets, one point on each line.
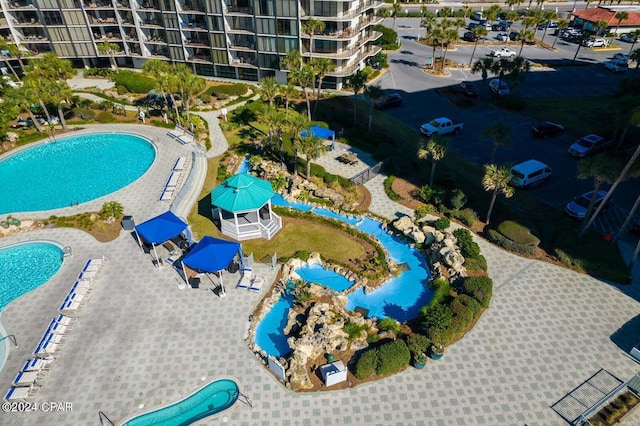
[529, 173]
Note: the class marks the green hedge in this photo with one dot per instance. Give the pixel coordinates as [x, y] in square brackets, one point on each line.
[392, 357]
[468, 247]
[502, 241]
[105, 117]
[388, 182]
[441, 223]
[389, 39]
[476, 263]
[236, 89]
[467, 216]
[134, 82]
[480, 288]
[366, 364]
[518, 233]
[418, 343]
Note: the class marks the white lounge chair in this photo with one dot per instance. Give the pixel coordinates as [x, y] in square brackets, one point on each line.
[19, 393]
[93, 265]
[167, 194]
[82, 287]
[180, 163]
[188, 137]
[57, 328]
[37, 364]
[63, 319]
[245, 280]
[69, 306]
[178, 131]
[47, 349]
[25, 378]
[88, 275]
[174, 177]
[256, 284]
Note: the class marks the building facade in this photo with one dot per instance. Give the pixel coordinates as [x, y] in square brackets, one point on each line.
[239, 39]
[587, 19]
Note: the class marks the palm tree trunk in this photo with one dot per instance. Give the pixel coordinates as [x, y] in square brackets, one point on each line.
[433, 173]
[306, 98]
[6, 61]
[613, 187]
[35, 121]
[61, 115]
[315, 106]
[493, 200]
[44, 108]
[308, 167]
[544, 34]
[473, 53]
[175, 107]
[597, 183]
[628, 220]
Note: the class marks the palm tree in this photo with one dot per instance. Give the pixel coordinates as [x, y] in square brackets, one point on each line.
[311, 27]
[21, 99]
[60, 92]
[434, 150]
[478, 32]
[620, 178]
[269, 88]
[496, 179]
[110, 49]
[512, 16]
[433, 36]
[321, 67]
[483, 66]
[373, 93]
[549, 15]
[622, 15]
[158, 70]
[466, 11]
[296, 123]
[450, 35]
[530, 21]
[498, 133]
[356, 81]
[636, 36]
[292, 60]
[517, 71]
[429, 20]
[601, 27]
[635, 56]
[5, 46]
[50, 67]
[188, 83]
[562, 24]
[276, 122]
[303, 77]
[603, 168]
[526, 36]
[501, 67]
[38, 87]
[289, 92]
[492, 12]
[395, 9]
[311, 146]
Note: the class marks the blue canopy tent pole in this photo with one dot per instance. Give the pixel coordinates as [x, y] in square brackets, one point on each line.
[159, 229]
[211, 255]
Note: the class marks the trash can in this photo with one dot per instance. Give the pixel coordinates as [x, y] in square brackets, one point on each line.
[127, 223]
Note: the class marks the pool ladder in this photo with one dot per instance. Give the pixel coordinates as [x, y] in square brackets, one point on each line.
[104, 420]
[67, 251]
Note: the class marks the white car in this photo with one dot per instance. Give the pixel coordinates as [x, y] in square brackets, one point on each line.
[500, 87]
[616, 65]
[596, 42]
[503, 52]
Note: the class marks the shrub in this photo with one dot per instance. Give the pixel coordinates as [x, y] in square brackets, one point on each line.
[442, 290]
[121, 89]
[431, 195]
[564, 258]
[302, 254]
[236, 89]
[134, 82]
[83, 113]
[353, 330]
[441, 223]
[470, 303]
[467, 216]
[389, 324]
[468, 247]
[518, 233]
[366, 364]
[389, 39]
[388, 182]
[476, 263]
[393, 356]
[436, 316]
[98, 72]
[418, 343]
[457, 199]
[111, 209]
[423, 211]
[105, 117]
[480, 288]
[499, 239]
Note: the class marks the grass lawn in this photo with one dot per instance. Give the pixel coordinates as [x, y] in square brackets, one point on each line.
[200, 216]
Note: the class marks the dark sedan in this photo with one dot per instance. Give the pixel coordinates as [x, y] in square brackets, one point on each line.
[546, 129]
[390, 101]
[469, 36]
[470, 89]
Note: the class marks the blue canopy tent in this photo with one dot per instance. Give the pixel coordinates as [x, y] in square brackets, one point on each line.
[321, 132]
[212, 255]
[159, 229]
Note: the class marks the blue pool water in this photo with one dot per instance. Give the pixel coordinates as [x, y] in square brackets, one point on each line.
[211, 399]
[244, 167]
[318, 275]
[270, 330]
[76, 169]
[400, 298]
[279, 201]
[25, 267]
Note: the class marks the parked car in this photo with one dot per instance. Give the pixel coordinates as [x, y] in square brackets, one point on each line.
[390, 101]
[616, 65]
[513, 35]
[549, 25]
[502, 53]
[501, 26]
[502, 37]
[530, 173]
[441, 126]
[470, 89]
[547, 129]
[587, 145]
[628, 37]
[501, 88]
[595, 42]
[469, 36]
[577, 208]
[621, 57]
[476, 16]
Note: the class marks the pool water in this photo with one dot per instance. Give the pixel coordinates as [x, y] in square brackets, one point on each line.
[244, 167]
[211, 399]
[278, 200]
[72, 170]
[318, 275]
[269, 333]
[24, 268]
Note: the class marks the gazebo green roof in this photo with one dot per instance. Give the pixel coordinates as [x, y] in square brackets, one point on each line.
[242, 192]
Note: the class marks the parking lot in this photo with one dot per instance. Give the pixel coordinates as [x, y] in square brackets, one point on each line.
[421, 102]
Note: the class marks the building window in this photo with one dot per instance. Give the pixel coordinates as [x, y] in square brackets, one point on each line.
[52, 18]
[287, 27]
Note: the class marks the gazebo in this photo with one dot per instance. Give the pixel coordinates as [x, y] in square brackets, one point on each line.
[242, 204]
[322, 133]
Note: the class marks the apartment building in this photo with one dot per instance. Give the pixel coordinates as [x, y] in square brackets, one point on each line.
[241, 39]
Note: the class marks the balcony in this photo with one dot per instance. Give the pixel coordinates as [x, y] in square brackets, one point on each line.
[346, 33]
[98, 5]
[197, 42]
[345, 16]
[19, 5]
[355, 64]
[193, 25]
[149, 5]
[244, 60]
[102, 21]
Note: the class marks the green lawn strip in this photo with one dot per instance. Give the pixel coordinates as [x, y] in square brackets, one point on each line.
[200, 216]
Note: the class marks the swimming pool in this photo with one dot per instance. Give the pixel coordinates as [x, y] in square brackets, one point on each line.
[72, 170]
[25, 267]
[212, 399]
[319, 275]
[269, 334]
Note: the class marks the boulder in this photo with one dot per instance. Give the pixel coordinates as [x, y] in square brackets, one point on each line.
[403, 224]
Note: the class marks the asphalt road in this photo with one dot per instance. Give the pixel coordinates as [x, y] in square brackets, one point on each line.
[421, 103]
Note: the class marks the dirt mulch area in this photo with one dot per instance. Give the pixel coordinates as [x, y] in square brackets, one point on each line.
[404, 189]
[364, 199]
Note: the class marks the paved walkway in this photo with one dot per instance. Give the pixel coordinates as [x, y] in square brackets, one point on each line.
[142, 340]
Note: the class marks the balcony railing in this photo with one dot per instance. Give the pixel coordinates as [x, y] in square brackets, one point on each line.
[344, 16]
[347, 33]
[353, 66]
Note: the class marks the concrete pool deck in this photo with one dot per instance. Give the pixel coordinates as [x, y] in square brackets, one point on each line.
[141, 340]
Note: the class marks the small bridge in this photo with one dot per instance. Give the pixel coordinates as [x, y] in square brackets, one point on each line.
[367, 174]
